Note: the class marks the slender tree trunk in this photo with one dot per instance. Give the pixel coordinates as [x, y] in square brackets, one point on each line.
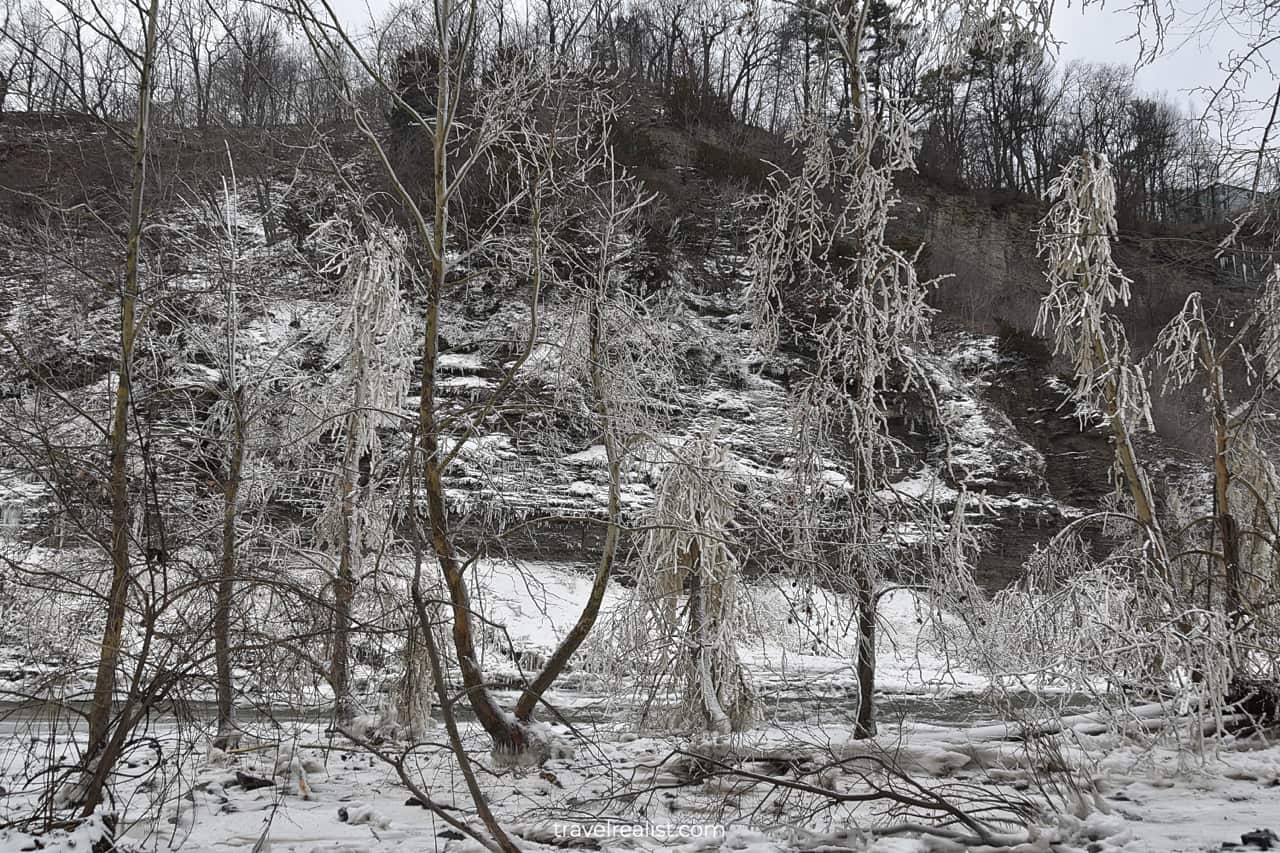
[1135, 478]
[702, 680]
[507, 735]
[865, 664]
[263, 187]
[777, 94]
[1228, 530]
[117, 597]
[105, 742]
[436, 663]
[706, 93]
[227, 736]
[551, 26]
[344, 581]
[668, 73]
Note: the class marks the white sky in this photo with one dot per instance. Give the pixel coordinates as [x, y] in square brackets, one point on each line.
[1192, 56]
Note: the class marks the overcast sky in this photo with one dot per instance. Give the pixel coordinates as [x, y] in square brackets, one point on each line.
[1191, 58]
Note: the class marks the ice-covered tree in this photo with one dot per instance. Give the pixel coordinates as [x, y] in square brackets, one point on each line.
[371, 348]
[535, 132]
[823, 236]
[1085, 283]
[611, 357]
[1237, 538]
[1064, 586]
[678, 630]
[1197, 619]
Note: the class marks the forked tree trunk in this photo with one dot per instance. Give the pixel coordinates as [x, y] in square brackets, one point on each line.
[559, 659]
[507, 734]
[435, 661]
[508, 737]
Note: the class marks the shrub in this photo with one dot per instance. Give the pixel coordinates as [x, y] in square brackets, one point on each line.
[635, 148]
[725, 164]
[689, 104]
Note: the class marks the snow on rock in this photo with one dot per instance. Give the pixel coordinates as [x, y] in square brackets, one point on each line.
[461, 362]
[466, 384]
[923, 484]
[20, 497]
[580, 489]
[595, 455]
[985, 452]
[360, 814]
[81, 838]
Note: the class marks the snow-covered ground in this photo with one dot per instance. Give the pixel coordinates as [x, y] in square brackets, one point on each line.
[768, 789]
[792, 782]
[765, 789]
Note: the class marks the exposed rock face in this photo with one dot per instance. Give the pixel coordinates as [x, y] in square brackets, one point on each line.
[994, 279]
[986, 258]
[1012, 440]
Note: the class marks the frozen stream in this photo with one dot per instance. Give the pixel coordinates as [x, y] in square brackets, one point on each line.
[19, 720]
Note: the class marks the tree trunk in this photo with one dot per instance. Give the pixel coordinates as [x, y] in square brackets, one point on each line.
[110, 648]
[447, 715]
[591, 610]
[865, 722]
[263, 186]
[344, 580]
[1228, 530]
[227, 736]
[703, 682]
[1135, 479]
[668, 72]
[507, 735]
[413, 705]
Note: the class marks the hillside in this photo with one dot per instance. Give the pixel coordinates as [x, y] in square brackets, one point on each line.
[1014, 438]
[248, 312]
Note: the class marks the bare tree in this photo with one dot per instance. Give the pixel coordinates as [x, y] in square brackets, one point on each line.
[104, 741]
[526, 114]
